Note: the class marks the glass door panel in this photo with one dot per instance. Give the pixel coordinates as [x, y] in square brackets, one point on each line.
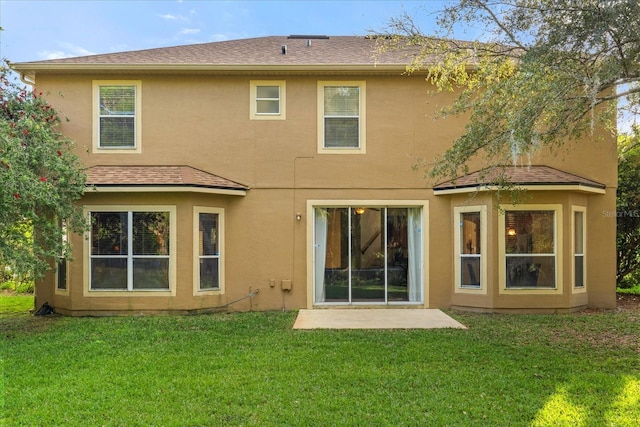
[367, 255]
[336, 268]
[397, 255]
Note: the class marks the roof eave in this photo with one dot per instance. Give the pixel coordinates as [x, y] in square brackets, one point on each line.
[29, 69]
[576, 187]
[152, 188]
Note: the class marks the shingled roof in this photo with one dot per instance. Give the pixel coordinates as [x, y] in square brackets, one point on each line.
[535, 176]
[296, 52]
[171, 178]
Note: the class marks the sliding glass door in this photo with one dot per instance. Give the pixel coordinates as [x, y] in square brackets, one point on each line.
[369, 255]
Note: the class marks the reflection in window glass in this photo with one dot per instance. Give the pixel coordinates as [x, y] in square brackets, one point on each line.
[129, 250]
[578, 248]
[208, 252]
[341, 117]
[470, 250]
[530, 249]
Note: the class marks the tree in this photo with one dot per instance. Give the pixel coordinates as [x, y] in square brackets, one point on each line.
[628, 209]
[544, 72]
[40, 181]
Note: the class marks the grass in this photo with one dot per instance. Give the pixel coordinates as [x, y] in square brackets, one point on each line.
[634, 290]
[252, 369]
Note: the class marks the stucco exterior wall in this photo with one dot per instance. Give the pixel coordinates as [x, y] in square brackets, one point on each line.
[204, 121]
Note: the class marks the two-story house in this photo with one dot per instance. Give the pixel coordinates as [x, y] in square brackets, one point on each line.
[277, 173]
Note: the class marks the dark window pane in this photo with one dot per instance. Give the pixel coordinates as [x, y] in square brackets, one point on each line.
[208, 244]
[470, 272]
[529, 232]
[151, 273]
[209, 273]
[109, 273]
[341, 132]
[151, 233]
[336, 277]
[527, 272]
[61, 273]
[109, 233]
[117, 132]
[579, 271]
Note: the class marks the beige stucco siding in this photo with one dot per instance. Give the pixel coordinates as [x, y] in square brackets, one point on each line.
[203, 121]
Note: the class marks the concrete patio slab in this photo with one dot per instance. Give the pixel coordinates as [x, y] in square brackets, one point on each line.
[381, 318]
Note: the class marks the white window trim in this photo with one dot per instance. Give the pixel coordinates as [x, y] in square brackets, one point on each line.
[582, 209]
[96, 117]
[253, 114]
[333, 203]
[482, 290]
[362, 149]
[502, 279]
[86, 252]
[197, 210]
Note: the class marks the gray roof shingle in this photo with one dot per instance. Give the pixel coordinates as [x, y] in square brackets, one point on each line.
[261, 51]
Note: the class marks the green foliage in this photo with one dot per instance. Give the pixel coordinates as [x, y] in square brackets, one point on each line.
[40, 180]
[628, 210]
[544, 72]
[252, 369]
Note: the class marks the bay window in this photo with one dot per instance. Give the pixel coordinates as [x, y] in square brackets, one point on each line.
[130, 250]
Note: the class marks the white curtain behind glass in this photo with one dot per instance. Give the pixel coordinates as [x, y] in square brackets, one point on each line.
[414, 231]
[320, 253]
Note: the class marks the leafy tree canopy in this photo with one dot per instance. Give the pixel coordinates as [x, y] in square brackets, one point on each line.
[40, 180]
[543, 72]
[628, 209]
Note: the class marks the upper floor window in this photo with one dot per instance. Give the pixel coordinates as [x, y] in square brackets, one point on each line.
[116, 116]
[268, 100]
[341, 117]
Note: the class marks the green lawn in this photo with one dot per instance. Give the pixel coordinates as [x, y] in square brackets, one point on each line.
[252, 369]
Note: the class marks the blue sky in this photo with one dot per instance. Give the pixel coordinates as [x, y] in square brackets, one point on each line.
[47, 29]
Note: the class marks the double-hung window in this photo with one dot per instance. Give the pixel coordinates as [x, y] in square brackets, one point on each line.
[61, 278]
[268, 100]
[470, 247]
[117, 108]
[131, 250]
[208, 250]
[530, 249]
[341, 117]
[579, 250]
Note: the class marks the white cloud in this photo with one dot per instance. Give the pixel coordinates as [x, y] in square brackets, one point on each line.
[168, 17]
[186, 31]
[69, 50]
